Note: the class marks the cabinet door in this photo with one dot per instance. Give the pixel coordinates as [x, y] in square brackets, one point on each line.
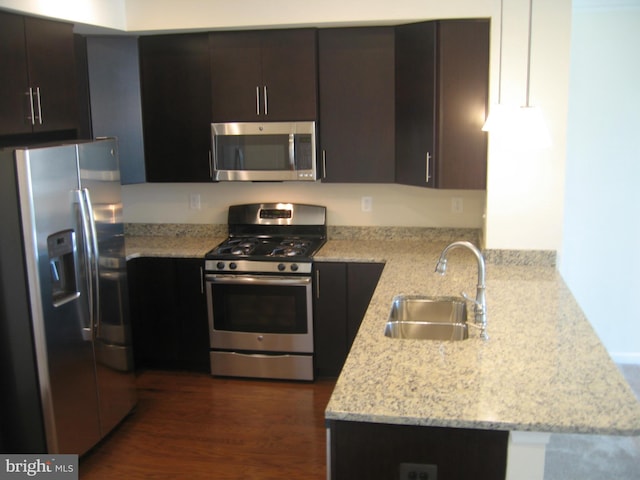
[463, 89]
[289, 73]
[330, 318]
[52, 70]
[192, 312]
[356, 89]
[154, 324]
[14, 82]
[415, 103]
[441, 97]
[176, 107]
[362, 279]
[236, 76]
[342, 294]
[264, 75]
[168, 313]
[39, 55]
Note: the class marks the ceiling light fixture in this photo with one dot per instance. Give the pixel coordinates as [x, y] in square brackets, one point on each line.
[521, 126]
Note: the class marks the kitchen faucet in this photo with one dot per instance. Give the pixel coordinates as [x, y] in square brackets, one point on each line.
[480, 302]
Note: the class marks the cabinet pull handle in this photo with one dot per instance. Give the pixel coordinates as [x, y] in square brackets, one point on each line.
[39, 106]
[428, 158]
[324, 164]
[31, 117]
[257, 100]
[201, 281]
[317, 283]
[210, 165]
[266, 101]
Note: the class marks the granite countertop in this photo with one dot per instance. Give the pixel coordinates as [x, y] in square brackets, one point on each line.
[169, 246]
[543, 368]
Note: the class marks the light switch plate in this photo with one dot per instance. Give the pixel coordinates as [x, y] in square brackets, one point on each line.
[366, 204]
[194, 201]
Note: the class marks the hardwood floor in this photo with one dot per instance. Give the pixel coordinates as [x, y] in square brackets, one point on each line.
[193, 426]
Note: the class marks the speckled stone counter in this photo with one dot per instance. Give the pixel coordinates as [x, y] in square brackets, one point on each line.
[542, 370]
[169, 246]
[172, 240]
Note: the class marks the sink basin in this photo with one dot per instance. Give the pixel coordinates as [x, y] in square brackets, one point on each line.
[427, 318]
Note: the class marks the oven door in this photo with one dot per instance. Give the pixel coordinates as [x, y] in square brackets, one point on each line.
[260, 313]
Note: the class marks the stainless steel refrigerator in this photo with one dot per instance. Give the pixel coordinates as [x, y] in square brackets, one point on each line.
[66, 361]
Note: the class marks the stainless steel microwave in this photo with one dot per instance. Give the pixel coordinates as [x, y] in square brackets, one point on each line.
[263, 152]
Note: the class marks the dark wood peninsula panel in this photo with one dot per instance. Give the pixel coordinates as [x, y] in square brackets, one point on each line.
[377, 451]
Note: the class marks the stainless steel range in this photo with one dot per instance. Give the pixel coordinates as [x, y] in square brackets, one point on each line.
[259, 291]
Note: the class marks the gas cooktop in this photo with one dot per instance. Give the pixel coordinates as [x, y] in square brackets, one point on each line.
[271, 232]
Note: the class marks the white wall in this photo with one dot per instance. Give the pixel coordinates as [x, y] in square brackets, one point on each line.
[108, 14]
[524, 197]
[601, 248]
[525, 186]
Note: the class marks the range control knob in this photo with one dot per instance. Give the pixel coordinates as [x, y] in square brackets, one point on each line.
[220, 265]
[281, 267]
[294, 267]
[233, 266]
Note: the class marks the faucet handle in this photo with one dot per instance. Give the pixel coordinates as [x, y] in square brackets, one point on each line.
[479, 308]
[472, 300]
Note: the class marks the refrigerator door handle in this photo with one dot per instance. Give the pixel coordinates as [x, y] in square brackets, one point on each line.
[87, 330]
[91, 249]
[96, 263]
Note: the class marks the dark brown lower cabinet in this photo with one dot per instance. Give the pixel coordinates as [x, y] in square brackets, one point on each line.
[375, 451]
[342, 292]
[168, 313]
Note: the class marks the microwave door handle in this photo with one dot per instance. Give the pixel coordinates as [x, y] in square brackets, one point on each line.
[239, 160]
[292, 151]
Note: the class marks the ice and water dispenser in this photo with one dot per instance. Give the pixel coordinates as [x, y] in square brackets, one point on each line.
[62, 260]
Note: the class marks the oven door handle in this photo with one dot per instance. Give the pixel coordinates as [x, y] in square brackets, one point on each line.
[257, 280]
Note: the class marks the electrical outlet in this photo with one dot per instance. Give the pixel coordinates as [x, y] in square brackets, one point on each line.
[457, 205]
[366, 204]
[194, 201]
[418, 471]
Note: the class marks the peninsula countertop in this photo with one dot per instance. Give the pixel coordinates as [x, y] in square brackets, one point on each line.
[543, 368]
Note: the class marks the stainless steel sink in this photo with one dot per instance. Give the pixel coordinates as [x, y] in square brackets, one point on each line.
[427, 318]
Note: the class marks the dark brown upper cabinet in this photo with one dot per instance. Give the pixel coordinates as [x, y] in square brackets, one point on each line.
[268, 75]
[356, 88]
[176, 107]
[442, 76]
[38, 84]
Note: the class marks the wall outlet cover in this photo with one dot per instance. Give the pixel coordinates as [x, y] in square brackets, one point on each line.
[418, 471]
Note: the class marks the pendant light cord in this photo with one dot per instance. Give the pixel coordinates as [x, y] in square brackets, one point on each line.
[529, 53]
[500, 55]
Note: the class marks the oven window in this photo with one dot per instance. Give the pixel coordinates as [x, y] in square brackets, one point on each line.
[260, 308]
